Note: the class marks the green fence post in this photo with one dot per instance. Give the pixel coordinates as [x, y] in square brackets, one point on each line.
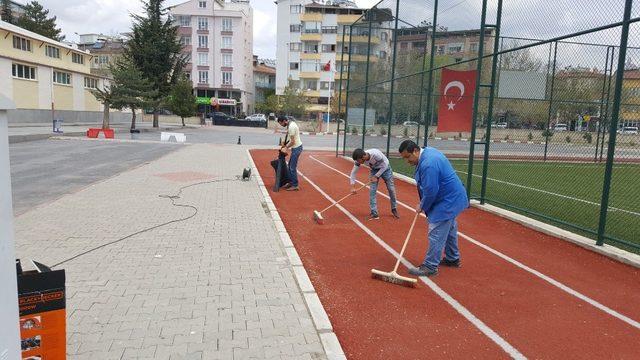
[476, 97]
[606, 108]
[424, 57]
[487, 140]
[431, 66]
[393, 75]
[553, 81]
[602, 101]
[346, 106]
[615, 115]
[340, 93]
[366, 81]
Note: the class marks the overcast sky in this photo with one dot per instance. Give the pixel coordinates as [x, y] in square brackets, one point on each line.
[112, 16]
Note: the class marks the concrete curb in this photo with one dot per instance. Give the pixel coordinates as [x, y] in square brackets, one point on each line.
[609, 251]
[14, 139]
[321, 321]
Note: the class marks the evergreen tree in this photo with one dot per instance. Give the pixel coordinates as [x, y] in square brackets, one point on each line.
[182, 102]
[36, 19]
[155, 50]
[6, 13]
[129, 89]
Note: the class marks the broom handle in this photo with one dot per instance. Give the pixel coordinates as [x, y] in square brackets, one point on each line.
[406, 241]
[346, 196]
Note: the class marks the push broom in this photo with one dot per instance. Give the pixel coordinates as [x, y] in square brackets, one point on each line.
[317, 215]
[393, 277]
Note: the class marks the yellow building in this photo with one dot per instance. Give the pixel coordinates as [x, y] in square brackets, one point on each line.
[40, 75]
[630, 109]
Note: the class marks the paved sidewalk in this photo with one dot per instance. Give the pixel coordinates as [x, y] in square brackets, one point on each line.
[216, 286]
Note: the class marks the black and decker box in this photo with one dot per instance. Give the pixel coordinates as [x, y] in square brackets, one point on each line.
[41, 297]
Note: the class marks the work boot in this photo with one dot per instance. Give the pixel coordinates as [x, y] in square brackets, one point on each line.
[395, 213]
[450, 263]
[423, 271]
[293, 188]
[373, 216]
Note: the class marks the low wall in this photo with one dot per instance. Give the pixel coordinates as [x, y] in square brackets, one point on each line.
[37, 116]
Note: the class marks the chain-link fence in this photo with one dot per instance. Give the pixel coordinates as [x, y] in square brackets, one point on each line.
[544, 123]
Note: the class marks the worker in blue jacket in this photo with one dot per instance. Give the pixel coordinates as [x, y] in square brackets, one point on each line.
[442, 198]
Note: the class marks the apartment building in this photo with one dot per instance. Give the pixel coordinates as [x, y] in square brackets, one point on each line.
[309, 37]
[46, 78]
[264, 75]
[105, 51]
[217, 38]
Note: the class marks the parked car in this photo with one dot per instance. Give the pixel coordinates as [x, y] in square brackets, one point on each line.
[217, 115]
[256, 117]
[291, 118]
[409, 123]
[629, 130]
[500, 125]
[560, 127]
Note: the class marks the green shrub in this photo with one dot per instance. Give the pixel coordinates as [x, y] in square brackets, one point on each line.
[587, 137]
[530, 136]
[567, 139]
[354, 130]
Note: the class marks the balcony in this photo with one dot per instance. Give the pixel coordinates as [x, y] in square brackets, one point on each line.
[184, 30]
[226, 32]
[265, 85]
[226, 51]
[311, 37]
[202, 49]
[310, 56]
[202, 31]
[317, 17]
[311, 93]
[348, 19]
[310, 74]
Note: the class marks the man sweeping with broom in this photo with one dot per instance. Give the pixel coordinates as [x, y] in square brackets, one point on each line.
[380, 168]
[442, 198]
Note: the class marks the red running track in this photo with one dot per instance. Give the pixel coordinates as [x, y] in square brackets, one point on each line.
[519, 293]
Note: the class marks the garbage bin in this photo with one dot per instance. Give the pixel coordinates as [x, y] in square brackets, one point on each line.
[57, 126]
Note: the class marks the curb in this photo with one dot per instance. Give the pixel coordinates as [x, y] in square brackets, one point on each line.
[609, 251]
[321, 321]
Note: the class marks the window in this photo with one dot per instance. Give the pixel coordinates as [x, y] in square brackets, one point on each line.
[383, 54]
[295, 47]
[101, 60]
[52, 51]
[227, 60]
[184, 20]
[203, 23]
[384, 36]
[227, 24]
[77, 58]
[23, 71]
[295, 9]
[185, 40]
[203, 41]
[203, 59]
[21, 43]
[310, 66]
[294, 84]
[473, 47]
[203, 77]
[455, 48]
[329, 29]
[61, 78]
[294, 66]
[440, 50]
[328, 48]
[226, 42]
[326, 85]
[226, 78]
[90, 83]
[202, 4]
[295, 28]
[310, 85]
[312, 27]
[310, 48]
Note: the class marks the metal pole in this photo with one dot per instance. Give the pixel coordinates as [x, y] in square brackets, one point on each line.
[434, 24]
[476, 97]
[606, 108]
[424, 57]
[366, 83]
[602, 100]
[553, 81]
[346, 107]
[340, 92]
[393, 74]
[487, 141]
[615, 115]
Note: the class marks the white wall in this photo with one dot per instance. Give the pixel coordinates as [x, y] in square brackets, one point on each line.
[6, 81]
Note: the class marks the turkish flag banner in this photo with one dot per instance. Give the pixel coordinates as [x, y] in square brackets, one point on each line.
[455, 111]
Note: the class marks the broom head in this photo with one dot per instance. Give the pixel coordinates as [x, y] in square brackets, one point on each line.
[317, 216]
[393, 277]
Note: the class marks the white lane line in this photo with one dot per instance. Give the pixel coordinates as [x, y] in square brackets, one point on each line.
[508, 348]
[540, 275]
[554, 194]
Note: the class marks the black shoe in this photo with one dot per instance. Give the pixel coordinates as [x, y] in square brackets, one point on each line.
[423, 271]
[451, 263]
[395, 213]
[373, 216]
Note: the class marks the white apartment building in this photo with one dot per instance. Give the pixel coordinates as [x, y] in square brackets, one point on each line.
[309, 36]
[217, 37]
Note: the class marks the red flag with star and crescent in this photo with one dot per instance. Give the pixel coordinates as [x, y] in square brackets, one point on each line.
[456, 100]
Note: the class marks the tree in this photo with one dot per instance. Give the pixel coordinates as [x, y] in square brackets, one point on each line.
[182, 102]
[130, 89]
[269, 105]
[37, 19]
[292, 102]
[105, 96]
[6, 13]
[522, 60]
[154, 49]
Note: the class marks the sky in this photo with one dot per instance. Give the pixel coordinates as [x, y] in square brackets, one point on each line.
[112, 17]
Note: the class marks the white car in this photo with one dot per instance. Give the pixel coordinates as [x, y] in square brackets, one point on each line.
[560, 127]
[630, 130]
[256, 117]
